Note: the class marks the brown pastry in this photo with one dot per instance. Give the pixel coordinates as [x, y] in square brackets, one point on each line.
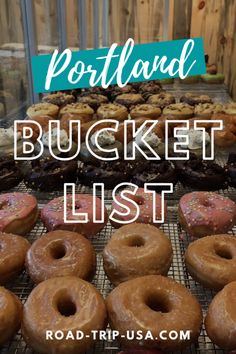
[93, 100]
[192, 99]
[206, 110]
[60, 99]
[117, 91]
[178, 111]
[162, 99]
[112, 111]
[82, 110]
[42, 109]
[145, 111]
[150, 88]
[129, 99]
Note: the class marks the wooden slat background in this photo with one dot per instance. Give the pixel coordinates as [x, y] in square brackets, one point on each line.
[214, 20]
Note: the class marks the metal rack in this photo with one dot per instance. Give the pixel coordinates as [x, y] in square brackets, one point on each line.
[22, 286]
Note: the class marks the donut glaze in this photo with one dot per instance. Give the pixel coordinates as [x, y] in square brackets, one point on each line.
[52, 215]
[65, 253]
[211, 260]
[18, 213]
[206, 213]
[13, 250]
[220, 321]
[145, 203]
[10, 314]
[135, 250]
[154, 303]
[62, 304]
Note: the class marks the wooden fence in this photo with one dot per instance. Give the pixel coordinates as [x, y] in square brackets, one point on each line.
[214, 20]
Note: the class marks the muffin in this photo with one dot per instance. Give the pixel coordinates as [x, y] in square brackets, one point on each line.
[78, 110]
[129, 99]
[59, 99]
[145, 111]
[112, 111]
[93, 100]
[40, 109]
[162, 99]
[178, 111]
[192, 99]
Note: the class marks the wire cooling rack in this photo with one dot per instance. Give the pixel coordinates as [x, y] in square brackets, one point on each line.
[22, 286]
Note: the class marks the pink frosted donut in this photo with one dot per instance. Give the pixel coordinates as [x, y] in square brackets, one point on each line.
[145, 203]
[206, 213]
[52, 214]
[18, 213]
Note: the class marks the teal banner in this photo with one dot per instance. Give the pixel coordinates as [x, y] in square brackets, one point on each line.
[118, 64]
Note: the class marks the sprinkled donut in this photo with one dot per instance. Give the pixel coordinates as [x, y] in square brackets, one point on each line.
[154, 303]
[52, 215]
[211, 260]
[206, 213]
[13, 250]
[145, 203]
[10, 314]
[18, 213]
[63, 304]
[65, 253]
[136, 250]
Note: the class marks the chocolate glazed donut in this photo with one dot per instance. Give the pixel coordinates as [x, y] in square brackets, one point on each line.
[110, 173]
[201, 175]
[50, 175]
[154, 303]
[231, 169]
[154, 172]
[10, 174]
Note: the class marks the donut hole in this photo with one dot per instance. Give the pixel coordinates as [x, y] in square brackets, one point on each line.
[157, 303]
[223, 252]
[57, 250]
[66, 307]
[136, 241]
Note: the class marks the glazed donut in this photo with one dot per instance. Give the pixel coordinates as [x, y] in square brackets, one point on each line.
[52, 215]
[43, 121]
[136, 250]
[211, 260]
[10, 174]
[40, 109]
[206, 213]
[220, 321]
[65, 253]
[201, 174]
[18, 213]
[13, 250]
[153, 303]
[50, 175]
[11, 315]
[149, 111]
[112, 111]
[63, 304]
[145, 204]
[117, 90]
[78, 109]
